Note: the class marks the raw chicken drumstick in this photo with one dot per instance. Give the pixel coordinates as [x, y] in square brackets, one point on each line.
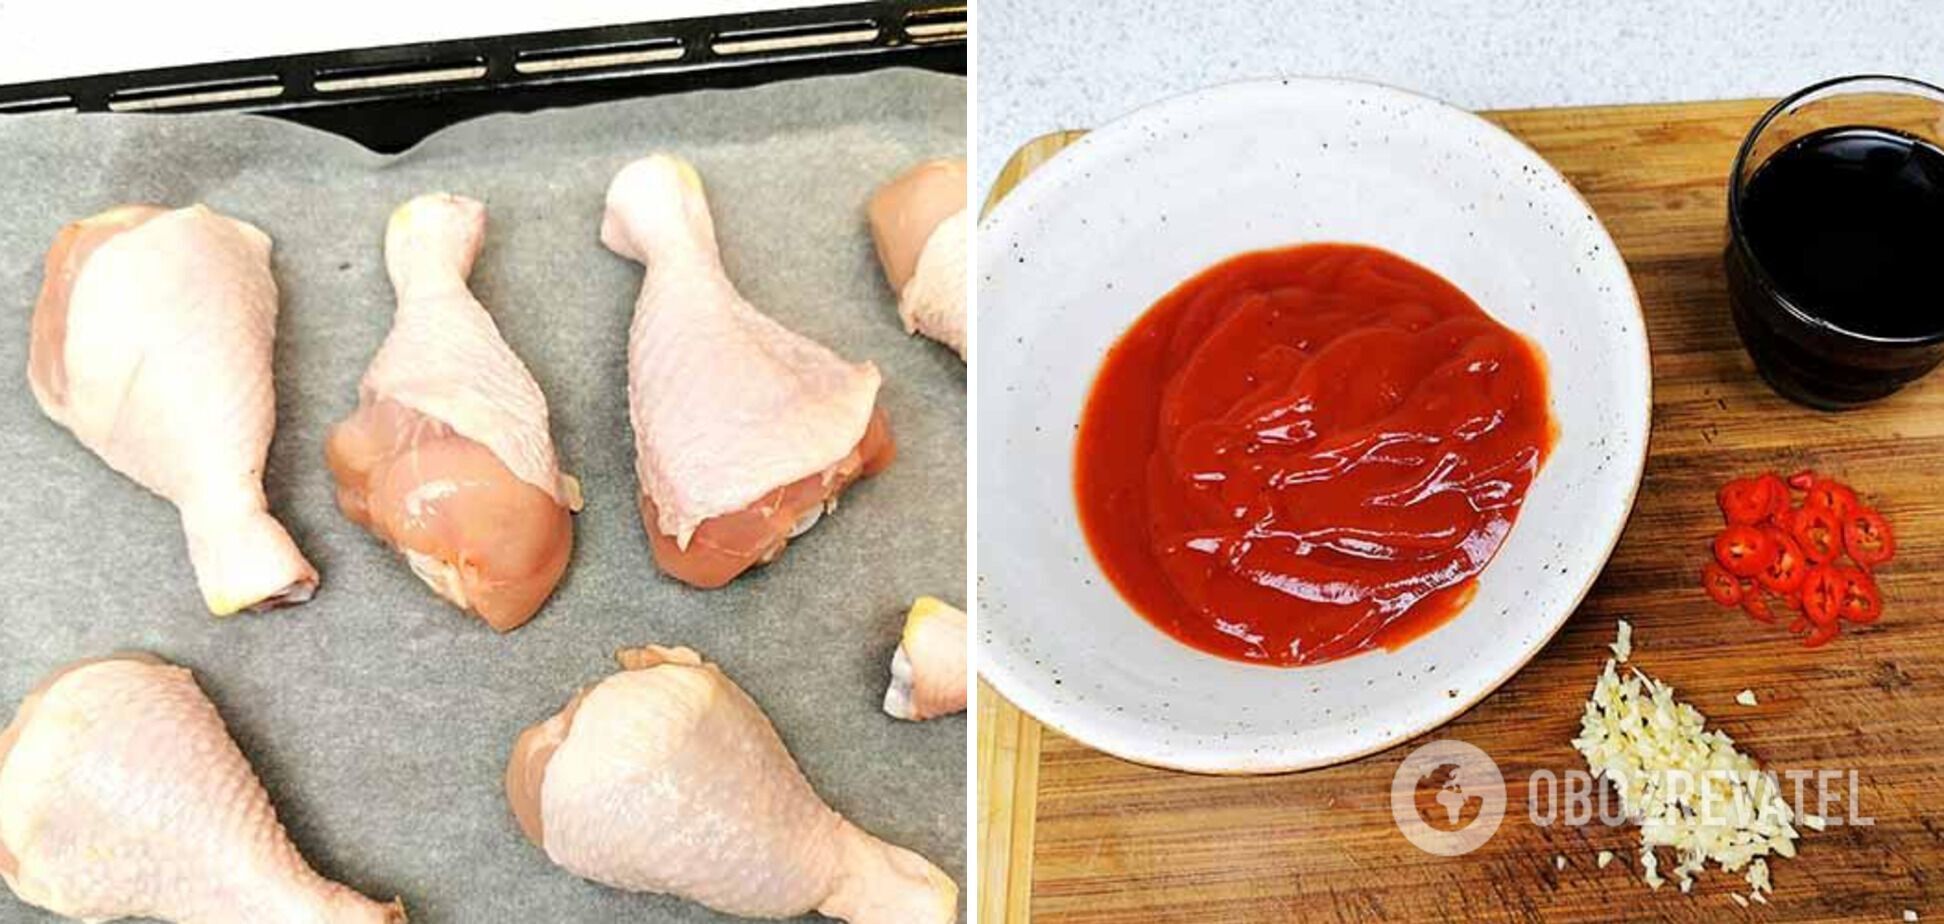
[151, 342]
[928, 673]
[667, 778]
[919, 223]
[448, 456]
[122, 795]
[745, 432]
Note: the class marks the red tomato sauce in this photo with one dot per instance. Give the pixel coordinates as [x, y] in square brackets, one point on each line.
[1302, 454]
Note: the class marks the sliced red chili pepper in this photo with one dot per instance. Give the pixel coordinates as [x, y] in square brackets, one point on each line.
[1785, 570]
[1861, 603]
[1744, 550]
[1822, 595]
[1799, 625]
[1867, 537]
[1831, 495]
[1721, 586]
[1745, 500]
[1802, 480]
[1757, 607]
[1821, 636]
[1819, 533]
[1779, 510]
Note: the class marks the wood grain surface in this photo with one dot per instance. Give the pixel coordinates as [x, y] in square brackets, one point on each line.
[1089, 839]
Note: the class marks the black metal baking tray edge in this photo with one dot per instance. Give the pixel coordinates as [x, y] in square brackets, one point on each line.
[389, 98]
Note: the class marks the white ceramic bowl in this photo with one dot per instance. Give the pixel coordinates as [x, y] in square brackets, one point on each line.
[1092, 239]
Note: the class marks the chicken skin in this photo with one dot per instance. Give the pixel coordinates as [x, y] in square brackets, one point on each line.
[745, 431]
[667, 777]
[151, 343]
[920, 225]
[448, 457]
[122, 795]
[928, 673]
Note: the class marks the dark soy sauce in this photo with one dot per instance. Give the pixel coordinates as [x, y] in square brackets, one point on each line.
[1848, 223]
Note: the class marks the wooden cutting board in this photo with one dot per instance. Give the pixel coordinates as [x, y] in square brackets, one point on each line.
[1068, 835]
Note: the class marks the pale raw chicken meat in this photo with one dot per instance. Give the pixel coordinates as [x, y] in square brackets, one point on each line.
[919, 223]
[448, 457]
[668, 778]
[122, 795]
[151, 342]
[745, 431]
[928, 672]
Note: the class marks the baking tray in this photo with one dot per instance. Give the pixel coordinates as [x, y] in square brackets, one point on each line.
[390, 97]
[379, 717]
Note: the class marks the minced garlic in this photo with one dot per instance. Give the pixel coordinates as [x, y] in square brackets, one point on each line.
[1660, 756]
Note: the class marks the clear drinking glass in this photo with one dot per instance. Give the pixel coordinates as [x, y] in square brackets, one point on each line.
[1807, 344]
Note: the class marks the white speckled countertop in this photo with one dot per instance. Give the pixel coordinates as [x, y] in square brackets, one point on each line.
[1047, 65]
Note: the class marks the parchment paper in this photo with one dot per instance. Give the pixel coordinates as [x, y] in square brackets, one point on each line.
[378, 716]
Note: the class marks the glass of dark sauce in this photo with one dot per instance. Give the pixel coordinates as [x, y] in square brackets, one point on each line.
[1836, 240]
